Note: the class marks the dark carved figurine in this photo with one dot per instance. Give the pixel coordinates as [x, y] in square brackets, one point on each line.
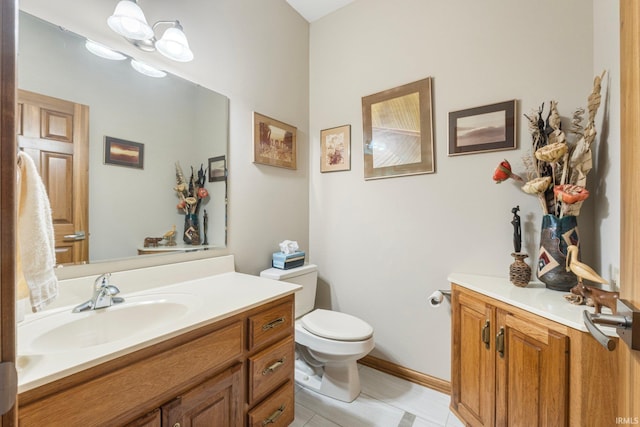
[517, 232]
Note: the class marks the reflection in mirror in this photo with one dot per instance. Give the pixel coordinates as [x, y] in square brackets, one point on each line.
[174, 120]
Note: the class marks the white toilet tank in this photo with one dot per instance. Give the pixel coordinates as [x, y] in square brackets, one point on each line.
[305, 276]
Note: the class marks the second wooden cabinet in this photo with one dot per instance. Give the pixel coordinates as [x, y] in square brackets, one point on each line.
[511, 367]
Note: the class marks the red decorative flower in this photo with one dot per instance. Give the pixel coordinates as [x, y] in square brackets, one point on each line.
[503, 172]
[202, 193]
[570, 194]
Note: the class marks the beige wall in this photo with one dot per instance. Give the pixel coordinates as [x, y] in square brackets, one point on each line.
[383, 246]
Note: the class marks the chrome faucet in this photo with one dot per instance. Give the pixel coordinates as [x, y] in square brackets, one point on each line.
[103, 295]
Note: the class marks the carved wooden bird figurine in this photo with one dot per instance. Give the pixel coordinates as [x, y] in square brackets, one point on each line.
[170, 236]
[589, 295]
[583, 271]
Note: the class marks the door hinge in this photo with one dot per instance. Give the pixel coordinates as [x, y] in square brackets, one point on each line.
[8, 386]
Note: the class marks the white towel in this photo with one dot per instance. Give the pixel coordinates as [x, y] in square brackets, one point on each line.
[36, 241]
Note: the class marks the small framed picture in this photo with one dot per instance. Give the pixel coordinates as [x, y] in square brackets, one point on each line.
[123, 153]
[482, 129]
[335, 149]
[217, 168]
[274, 142]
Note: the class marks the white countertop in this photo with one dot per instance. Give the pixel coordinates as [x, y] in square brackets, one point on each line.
[180, 247]
[535, 298]
[219, 296]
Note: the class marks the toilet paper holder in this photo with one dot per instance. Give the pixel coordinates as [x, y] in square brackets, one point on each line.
[436, 298]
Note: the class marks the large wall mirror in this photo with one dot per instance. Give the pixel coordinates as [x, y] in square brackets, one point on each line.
[176, 121]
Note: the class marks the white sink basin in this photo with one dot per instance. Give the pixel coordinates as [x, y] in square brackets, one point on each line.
[65, 331]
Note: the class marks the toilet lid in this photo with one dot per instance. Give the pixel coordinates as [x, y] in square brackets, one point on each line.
[336, 326]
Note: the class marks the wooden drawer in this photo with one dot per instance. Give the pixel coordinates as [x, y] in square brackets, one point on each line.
[270, 368]
[276, 411]
[271, 324]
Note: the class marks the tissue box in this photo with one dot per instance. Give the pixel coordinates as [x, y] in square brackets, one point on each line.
[286, 261]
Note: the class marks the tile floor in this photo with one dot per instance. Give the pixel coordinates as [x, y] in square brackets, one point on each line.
[385, 401]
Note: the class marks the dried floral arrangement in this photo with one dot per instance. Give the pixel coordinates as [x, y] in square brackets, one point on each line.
[557, 168]
[192, 192]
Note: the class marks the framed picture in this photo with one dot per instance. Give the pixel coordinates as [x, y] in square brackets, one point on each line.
[480, 129]
[274, 142]
[217, 168]
[335, 149]
[123, 153]
[398, 131]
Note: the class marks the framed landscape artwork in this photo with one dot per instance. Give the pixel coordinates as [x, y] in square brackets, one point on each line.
[480, 129]
[274, 142]
[398, 131]
[217, 168]
[335, 149]
[123, 153]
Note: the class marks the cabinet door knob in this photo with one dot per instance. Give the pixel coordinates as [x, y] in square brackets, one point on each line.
[486, 337]
[500, 342]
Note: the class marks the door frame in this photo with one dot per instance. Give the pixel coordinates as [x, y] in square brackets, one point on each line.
[8, 212]
[629, 360]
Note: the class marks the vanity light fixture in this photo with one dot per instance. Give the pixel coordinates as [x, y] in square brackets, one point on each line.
[103, 51]
[147, 70]
[129, 21]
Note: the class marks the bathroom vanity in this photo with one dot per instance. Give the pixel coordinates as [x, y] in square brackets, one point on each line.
[522, 356]
[225, 360]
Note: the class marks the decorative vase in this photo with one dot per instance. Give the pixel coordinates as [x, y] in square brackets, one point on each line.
[191, 234]
[555, 235]
[519, 271]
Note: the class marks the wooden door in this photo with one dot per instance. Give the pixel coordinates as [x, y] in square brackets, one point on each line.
[629, 372]
[55, 133]
[216, 402]
[532, 374]
[473, 360]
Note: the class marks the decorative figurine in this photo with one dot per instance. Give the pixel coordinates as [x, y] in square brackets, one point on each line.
[517, 232]
[151, 242]
[205, 224]
[170, 236]
[519, 271]
[589, 295]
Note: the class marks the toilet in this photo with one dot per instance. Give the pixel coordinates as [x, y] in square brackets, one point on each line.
[328, 343]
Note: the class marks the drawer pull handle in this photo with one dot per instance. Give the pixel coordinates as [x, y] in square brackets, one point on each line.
[270, 369]
[500, 342]
[176, 425]
[273, 324]
[274, 417]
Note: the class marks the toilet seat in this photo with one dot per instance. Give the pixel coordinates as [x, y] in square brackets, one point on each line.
[336, 326]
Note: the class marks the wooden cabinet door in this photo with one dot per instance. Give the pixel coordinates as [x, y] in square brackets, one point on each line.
[532, 374]
[55, 133]
[216, 402]
[473, 373]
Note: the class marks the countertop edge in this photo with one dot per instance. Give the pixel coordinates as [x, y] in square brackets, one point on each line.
[530, 298]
